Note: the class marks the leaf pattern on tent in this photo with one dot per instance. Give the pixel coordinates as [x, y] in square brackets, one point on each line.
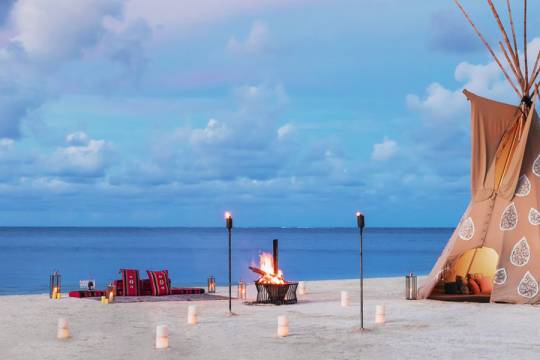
[500, 276]
[466, 230]
[509, 218]
[536, 166]
[534, 216]
[524, 186]
[528, 286]
[521, 253]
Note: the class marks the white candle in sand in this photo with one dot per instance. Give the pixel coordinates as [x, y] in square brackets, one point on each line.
[345, 299]
[283, 326]
[379, 314]
[301, 288]
[162, 337]
[63, 329]
[192, 314]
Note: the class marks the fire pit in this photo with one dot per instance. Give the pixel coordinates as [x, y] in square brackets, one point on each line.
[271, 286]
[277, 294]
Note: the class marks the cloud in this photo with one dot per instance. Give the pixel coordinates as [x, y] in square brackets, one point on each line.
[81, 157]
[286, 131]
[170, 17]
[63, 33]
[254, 43]
[448, 32]
[385, 150]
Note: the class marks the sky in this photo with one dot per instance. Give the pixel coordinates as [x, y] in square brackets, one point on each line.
[286, 113]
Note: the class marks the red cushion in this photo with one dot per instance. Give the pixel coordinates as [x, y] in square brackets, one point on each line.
[486, 285]
[130, 282]
[145, 287]
[473, 285]
[185, 291]
[159, 281]
[86, 293]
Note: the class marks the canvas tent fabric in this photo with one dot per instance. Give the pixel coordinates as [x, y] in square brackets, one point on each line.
[504, 212]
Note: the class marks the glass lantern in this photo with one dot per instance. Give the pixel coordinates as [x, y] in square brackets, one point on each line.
[211, 284]
[242, 290]
[55, 285]
[411, 287]
[109, 292]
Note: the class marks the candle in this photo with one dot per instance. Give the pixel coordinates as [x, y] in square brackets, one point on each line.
[192, 315]
[379, 314]
[162, 337]
[242, 290]
[62, 331]
[283, 326]
[301, 288]
[345, 299]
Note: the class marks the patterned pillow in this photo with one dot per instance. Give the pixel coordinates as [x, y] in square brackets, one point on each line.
[130, 282]
[160, 282]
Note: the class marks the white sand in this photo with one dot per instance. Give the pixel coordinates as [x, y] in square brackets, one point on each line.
[319, 328]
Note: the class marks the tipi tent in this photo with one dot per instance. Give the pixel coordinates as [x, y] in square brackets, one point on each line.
[499, 234]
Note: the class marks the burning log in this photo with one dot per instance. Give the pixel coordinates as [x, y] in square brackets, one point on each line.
[271, 285]
[268, 267]
[257, 270]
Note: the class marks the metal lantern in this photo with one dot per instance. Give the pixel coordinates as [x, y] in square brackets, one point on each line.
[55, 285]
[211, 284]
[242, 290]
[410, 287]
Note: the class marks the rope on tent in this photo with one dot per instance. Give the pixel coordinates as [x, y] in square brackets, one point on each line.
[484, 232]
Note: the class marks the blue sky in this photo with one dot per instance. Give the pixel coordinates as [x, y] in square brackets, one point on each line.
[287, 113]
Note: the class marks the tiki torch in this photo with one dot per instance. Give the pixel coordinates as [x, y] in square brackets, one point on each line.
[229, 225]
[361, 223]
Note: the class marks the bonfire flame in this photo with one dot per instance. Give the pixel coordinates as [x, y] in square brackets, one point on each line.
[266, 267]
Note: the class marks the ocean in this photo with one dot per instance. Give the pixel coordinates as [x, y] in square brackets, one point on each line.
[29, 255]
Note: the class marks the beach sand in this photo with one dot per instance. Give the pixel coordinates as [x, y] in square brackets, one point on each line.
[319, 328]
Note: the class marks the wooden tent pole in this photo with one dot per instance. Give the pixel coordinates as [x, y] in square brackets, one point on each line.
[512, 27]
[488, 47]
[511, 64]
[525, 42]
[507, 42]
[472, 260]
[534, 73]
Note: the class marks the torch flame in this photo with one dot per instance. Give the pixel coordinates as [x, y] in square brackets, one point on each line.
[266, 264]
[227, 215]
